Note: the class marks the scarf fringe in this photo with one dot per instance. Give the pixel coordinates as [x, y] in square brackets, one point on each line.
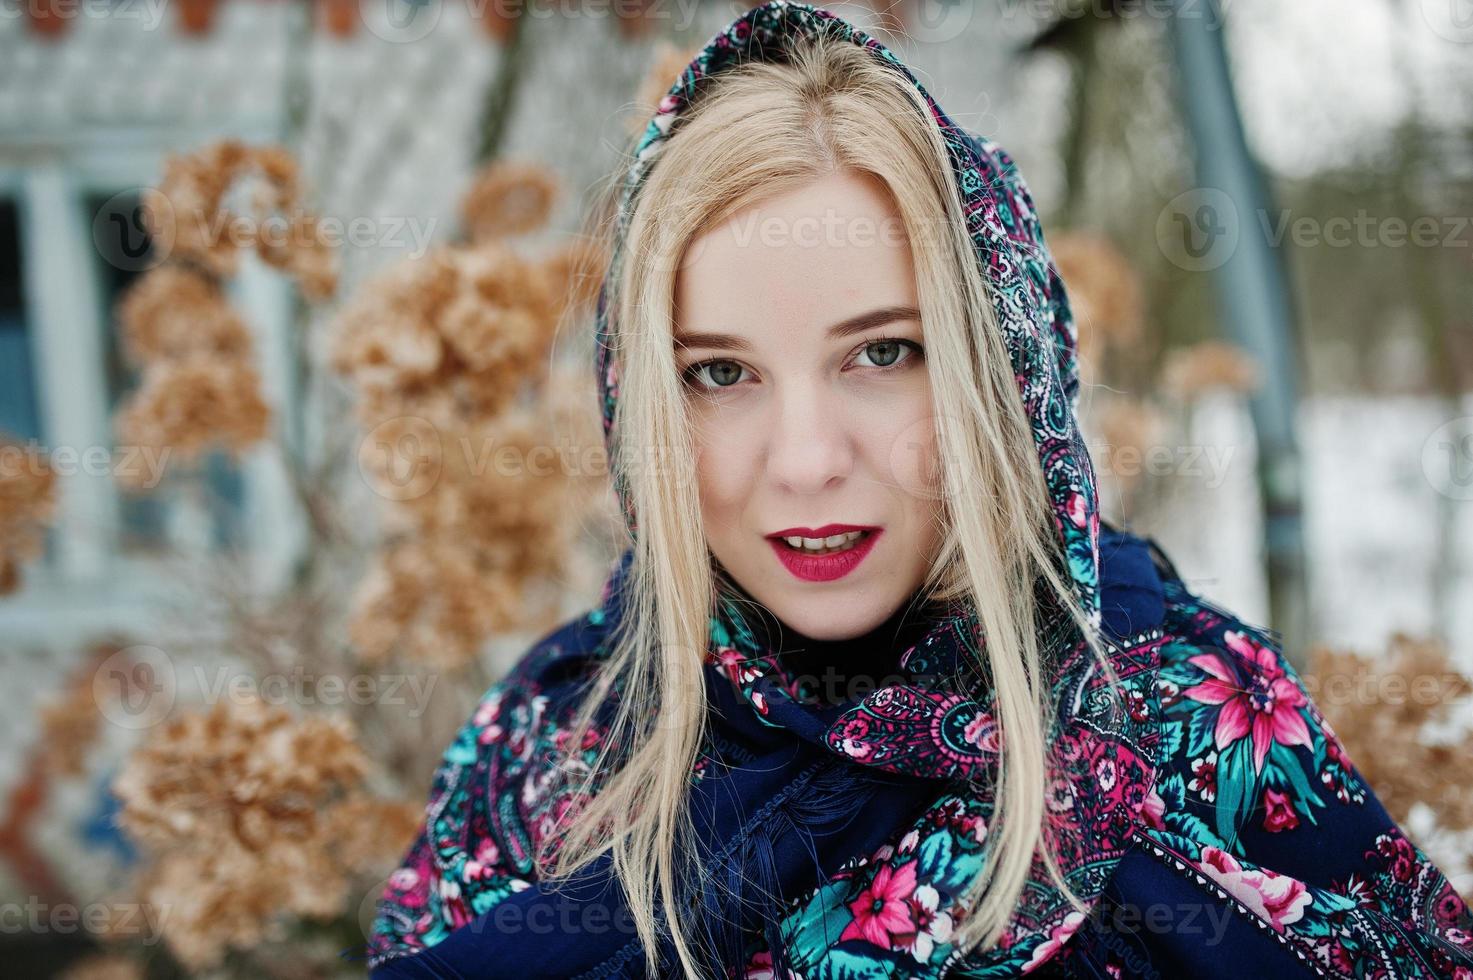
[740, 887]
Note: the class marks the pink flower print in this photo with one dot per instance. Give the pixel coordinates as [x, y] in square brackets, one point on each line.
[740, 670]
[981, 731]
[760, 967]
[1075, 507]
[404, 878]
[851, 738]
[1204, 777]
[1060, 796]
[1449, 910]
[1138, 706]
[1058, 936]
[883, 914]
[452, 906]
[489, 709]
[932, 927]
[560, 739]
[483, 864]
[1279, 815]
[1401, 859]
[1277, 899]
[1154, 810]
[1264, 702]
[727, 657]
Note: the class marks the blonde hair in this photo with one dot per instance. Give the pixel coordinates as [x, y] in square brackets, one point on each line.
[759, 129]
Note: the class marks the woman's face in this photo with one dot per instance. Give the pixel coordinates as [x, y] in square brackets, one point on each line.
[799, 341]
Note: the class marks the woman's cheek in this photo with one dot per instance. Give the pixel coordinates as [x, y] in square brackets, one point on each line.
[725, 467]
[914, 460]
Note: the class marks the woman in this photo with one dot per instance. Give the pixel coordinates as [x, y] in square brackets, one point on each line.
[873, 692]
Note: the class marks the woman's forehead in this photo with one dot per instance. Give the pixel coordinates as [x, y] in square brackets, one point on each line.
[822, 256]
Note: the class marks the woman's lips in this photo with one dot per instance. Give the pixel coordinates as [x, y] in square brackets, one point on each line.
[826, 567]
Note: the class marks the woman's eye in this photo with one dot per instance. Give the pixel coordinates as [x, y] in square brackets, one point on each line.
[887, 353]
[723, 374]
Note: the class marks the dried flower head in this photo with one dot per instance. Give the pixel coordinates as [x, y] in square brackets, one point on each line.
[27, 505]
[188, 212]
[237, 808]
[71, 721]
[370, 832]
[499, 318]
[1104, 290]
[185, 407]
[280, 186]
[506, 199]
[229, 196]
[470, 324]
[385, 338]
[173, 311]
[481, 509]
[1383, 708]
[104, 966]
[1190, 371]
[304, 251]
[1130, 428]
[435, 603]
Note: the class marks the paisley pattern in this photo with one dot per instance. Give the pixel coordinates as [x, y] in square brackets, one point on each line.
[1208, 775]
[1294, 859]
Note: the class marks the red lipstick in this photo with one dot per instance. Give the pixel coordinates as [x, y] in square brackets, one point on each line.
[823, 567]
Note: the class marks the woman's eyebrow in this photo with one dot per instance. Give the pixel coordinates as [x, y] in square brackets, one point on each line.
[845, 328]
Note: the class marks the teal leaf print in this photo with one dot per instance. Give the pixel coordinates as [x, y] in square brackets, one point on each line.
[823, 920]
[842, 965]
[1285, 762]
[1237, 788]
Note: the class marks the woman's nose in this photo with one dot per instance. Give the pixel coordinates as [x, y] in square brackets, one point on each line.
[810, 447]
